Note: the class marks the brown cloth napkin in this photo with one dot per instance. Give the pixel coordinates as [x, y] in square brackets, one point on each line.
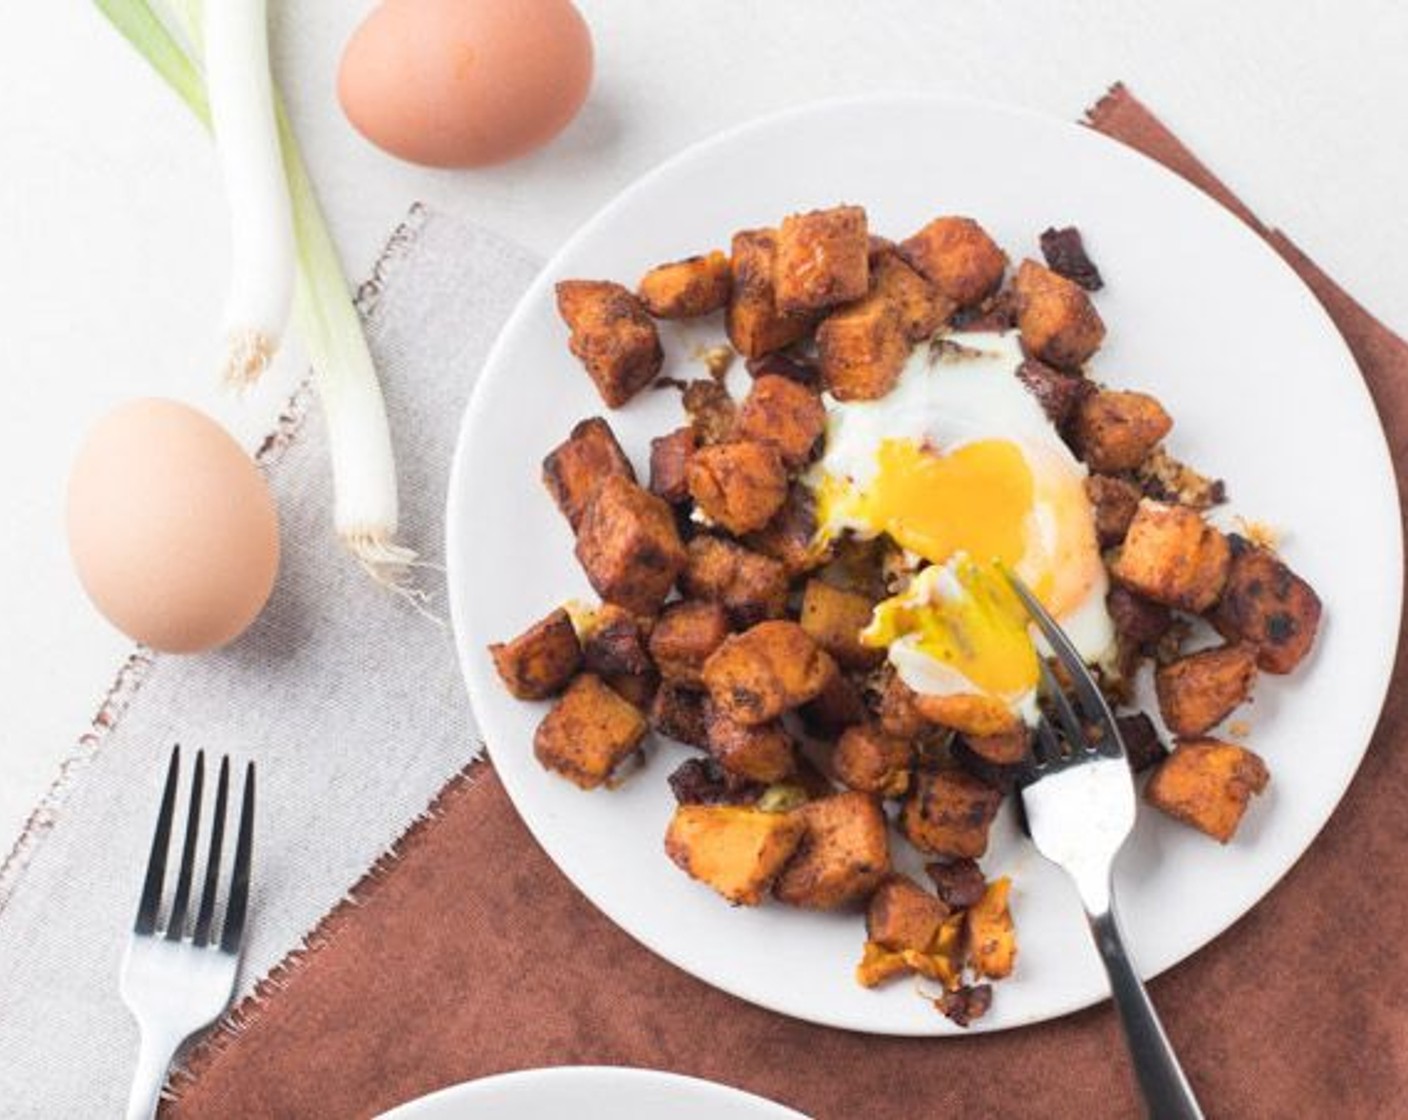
[469, 954]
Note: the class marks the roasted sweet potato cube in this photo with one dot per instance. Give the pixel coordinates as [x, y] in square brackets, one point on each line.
[843, 856]
[789, 538]
[614, 642]
[869, 759]
[1172, 556]
[960, 882]
[992, 939]
[684, 636]
[761, 752]
[576, 467]
[1267, 604]
[612, 336]
[861, 349]
[923, 309]
[958, 257]
[785, 414]
[903, 915]
[669, 461]
[755, 323]
[678, 712]
[1207, 783]
[841, 704]
[738, 485]
[736, 850]
[540, 661]
[588, 733]
[835, 618]
[969, 713]
[756, 676]
[629, 546]
[823, 259]
[1114, 501]
[637, 689]
[948, 813]
[1058, 322]
[1056, 391]
[1114, 430]
[1006, 749]
[686, 289]
[749, 586]
[1199, 691]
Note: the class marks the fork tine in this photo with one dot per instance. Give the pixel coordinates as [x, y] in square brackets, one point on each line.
[176, 922]
[1070, 722]
[206, 915]
[156, 863]
[1046, 747]
[233, 932]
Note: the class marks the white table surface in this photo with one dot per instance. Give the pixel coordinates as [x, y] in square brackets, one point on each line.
[112, 226]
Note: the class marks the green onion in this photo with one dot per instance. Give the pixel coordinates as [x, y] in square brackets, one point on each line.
[359, 440]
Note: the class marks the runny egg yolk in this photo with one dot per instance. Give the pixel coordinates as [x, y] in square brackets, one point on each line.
[976, 500]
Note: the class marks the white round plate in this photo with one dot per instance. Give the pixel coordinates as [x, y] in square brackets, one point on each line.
[1200, 312]
[590, 1093]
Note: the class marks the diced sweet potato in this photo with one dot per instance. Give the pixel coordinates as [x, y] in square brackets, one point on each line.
[1267, 604]
[785, 414]
[738, 485]
[1207, 783]
[1064, 251]
[1199, 691]
[948, 813]
[540, 661]
[756, 676]
[736, 850]
[960, 882]
[839, 705]
[789, 537]
[1114, 430]
[1006, 749]
[686, 289]
[923, 309]
[669, 461]
[1058, 322]
[862, 349]
[702, 781]
[614, 642]
[575, 468]
[761, 752]
[588, 732]
[869, 759]
[958, 257]
[612, 336]
[637, 689]
[1114, 501]
[941, 962]
[1172, 556]
[1056, 391]
[678, 712]
[843, 856]
[835, 618]
[755, 323]
[969, 713]
[629, 546]
[822, 259]
[684, 636]
[749, 586]
[903, 915]
[992, 939]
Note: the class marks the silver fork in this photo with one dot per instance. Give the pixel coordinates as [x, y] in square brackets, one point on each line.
[174, 981]
[1078, 797]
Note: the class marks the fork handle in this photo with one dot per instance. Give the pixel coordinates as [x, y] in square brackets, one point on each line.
[153, 1060]
[1167, 1094]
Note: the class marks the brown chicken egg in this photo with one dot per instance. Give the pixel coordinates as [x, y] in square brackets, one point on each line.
[171, 527]
[465, 83]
